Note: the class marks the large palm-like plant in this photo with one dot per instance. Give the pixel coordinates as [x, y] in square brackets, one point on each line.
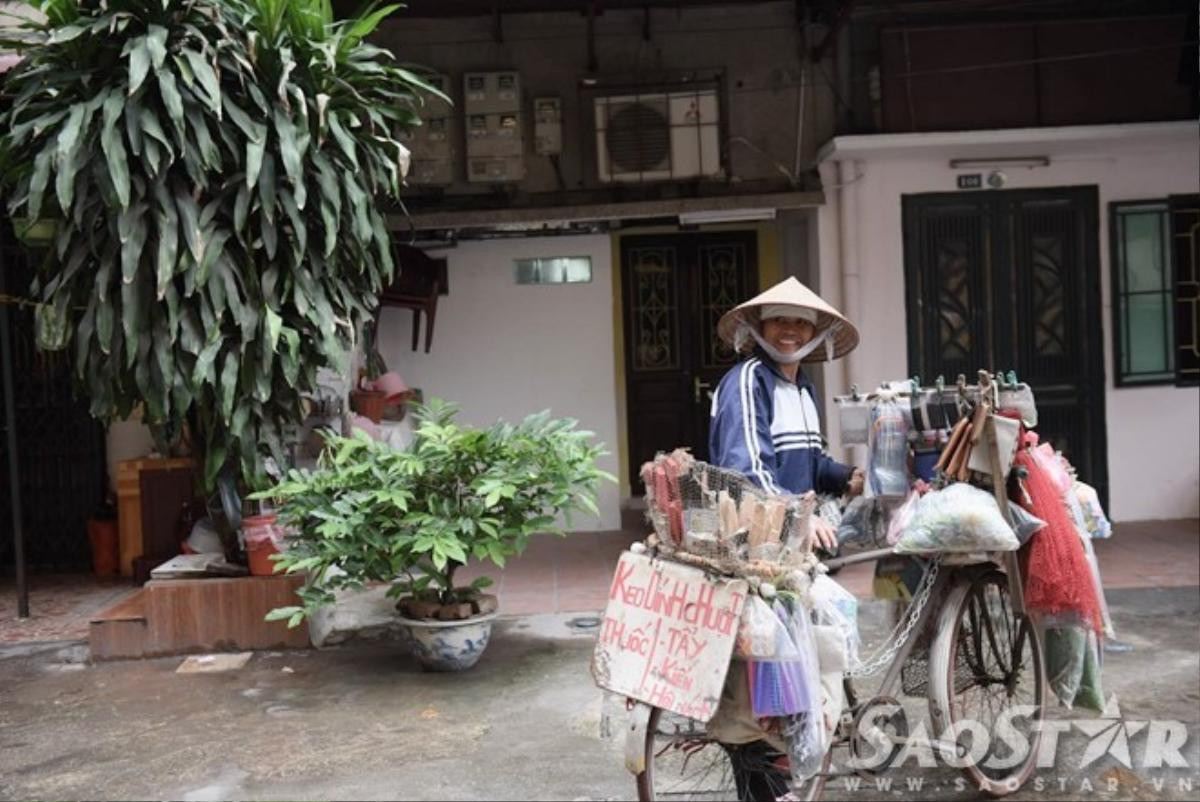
[214, 167]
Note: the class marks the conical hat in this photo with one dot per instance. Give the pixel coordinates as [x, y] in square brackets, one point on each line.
[791, 291]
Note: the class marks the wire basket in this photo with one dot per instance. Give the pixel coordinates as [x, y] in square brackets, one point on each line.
[714, 512]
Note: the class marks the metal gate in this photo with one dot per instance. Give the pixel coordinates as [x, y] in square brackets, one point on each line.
[1011, 281]
[60, 447]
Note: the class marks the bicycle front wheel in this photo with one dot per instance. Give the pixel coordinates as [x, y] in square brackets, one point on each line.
[987, 683]
[684, 763]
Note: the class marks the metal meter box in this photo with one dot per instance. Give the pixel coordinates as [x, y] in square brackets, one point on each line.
[494, 130]
[547, 126]
[431, 144]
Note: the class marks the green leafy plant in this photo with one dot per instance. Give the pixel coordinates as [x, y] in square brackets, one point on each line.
[414, 517]
[214, 167]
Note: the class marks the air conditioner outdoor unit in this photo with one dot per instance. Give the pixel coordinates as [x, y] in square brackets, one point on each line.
[660, 136]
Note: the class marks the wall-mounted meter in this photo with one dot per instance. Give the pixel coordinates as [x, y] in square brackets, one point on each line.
[547, 126]
[494, 133]
[431, 143]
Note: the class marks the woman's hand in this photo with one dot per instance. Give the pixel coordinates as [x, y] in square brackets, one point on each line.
[824, 535]
[855, 486]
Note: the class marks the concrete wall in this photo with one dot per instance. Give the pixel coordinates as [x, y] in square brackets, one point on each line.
[758, 45]
[1152, 432]
[503, 350]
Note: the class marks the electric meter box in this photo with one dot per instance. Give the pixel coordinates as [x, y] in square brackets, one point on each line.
[493, 128]
[547, 126]
[430, 144]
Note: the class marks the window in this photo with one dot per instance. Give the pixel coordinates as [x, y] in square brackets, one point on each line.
[1143, 307]
[555, 270]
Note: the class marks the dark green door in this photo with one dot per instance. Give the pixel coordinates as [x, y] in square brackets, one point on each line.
[675, 289]
[1011, 281]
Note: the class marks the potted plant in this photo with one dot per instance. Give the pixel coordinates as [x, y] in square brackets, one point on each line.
[213, 169]
[412, 518]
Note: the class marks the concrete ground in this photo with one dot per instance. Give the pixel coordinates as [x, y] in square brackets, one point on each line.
[362, 721]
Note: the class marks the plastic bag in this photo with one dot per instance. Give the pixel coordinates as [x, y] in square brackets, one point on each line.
[784, 685]
[1094, 519]
[805, 732]
[835, 609]
[902, 517]
[958, 518]
[1025, 523]
[1091, 694]
[887, 468]
[864, 524]
[1065, 656]
[761, 635]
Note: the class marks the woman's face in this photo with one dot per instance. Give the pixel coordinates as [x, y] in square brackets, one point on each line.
[787, 334]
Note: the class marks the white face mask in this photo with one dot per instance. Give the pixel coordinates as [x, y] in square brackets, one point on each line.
[824, 338]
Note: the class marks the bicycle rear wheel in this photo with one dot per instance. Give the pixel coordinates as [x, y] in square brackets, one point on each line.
[684, 763]
[987, 683]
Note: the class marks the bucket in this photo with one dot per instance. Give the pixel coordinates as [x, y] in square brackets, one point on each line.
[102, 534]
[260, 534]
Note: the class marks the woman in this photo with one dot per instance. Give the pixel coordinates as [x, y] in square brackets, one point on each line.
[766, 425]
[765, 420]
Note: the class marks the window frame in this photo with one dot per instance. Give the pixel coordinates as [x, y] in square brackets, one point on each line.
[1116, 242]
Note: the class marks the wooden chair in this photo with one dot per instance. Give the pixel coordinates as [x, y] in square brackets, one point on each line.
[416, 287]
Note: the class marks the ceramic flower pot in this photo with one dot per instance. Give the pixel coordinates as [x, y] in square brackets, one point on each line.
[448, 645]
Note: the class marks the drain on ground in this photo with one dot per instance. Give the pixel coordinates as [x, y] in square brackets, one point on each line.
[584, 622]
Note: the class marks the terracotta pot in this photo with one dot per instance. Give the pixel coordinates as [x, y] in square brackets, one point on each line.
[368, 403]
[391, 385]
[258, 554]
[106, 557]
[260, 535]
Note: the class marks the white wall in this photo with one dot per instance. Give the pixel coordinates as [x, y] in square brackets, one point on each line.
[503, 350]
[1153, 433]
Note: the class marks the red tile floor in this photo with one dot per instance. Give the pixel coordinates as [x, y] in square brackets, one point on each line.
[572, 574]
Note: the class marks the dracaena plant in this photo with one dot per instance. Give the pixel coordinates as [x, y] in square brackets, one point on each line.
[215, 169]
[413, 517]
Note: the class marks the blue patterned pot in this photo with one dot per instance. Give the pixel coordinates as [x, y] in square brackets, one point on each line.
[448, 645]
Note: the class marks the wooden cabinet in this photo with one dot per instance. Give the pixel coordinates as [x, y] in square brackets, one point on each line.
[150, 498]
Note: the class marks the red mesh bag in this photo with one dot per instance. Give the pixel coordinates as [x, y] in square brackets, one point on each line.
[1058, 576]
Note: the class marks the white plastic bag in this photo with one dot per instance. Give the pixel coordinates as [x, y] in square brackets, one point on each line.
[761, 635]
[958, 518]
[835, 608]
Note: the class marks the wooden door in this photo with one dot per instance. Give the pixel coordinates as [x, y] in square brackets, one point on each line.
[1011, 281]
[675, 288]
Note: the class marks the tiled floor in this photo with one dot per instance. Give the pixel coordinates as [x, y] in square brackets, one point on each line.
[572, 574]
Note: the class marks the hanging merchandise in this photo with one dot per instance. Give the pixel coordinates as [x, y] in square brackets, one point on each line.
[1065, 647]
[1059, 579]
[1091, 694]
[854, 419]
[1024, 524]
[958, 518]
[887, 471]
[1019, 398]
[902, 517]
[784, 684]
[835, 610]
[761, 635]
[1095, 520]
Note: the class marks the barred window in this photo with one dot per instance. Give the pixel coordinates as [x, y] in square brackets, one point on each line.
[1143, 310]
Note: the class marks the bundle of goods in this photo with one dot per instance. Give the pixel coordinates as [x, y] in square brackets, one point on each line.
[709, 512]
[928, 448]
[798, 631]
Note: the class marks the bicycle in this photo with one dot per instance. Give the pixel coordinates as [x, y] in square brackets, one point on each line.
[985, 659]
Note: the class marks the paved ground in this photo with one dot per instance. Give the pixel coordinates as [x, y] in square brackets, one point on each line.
[363, 722]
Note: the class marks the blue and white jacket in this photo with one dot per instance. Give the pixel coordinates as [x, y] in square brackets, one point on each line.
[769, 429]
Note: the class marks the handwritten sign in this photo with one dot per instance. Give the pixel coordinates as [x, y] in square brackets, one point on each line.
[668, 635]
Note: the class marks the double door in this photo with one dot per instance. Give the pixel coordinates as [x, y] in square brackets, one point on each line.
[1011, 281]
[675, 288]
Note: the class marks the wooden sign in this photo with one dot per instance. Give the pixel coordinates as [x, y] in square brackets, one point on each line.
[668, 634]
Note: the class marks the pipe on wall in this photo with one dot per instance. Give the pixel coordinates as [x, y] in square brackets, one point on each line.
[847, 188]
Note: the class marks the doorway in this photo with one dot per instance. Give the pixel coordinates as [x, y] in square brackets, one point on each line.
[1011, 281]
[674, 288]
